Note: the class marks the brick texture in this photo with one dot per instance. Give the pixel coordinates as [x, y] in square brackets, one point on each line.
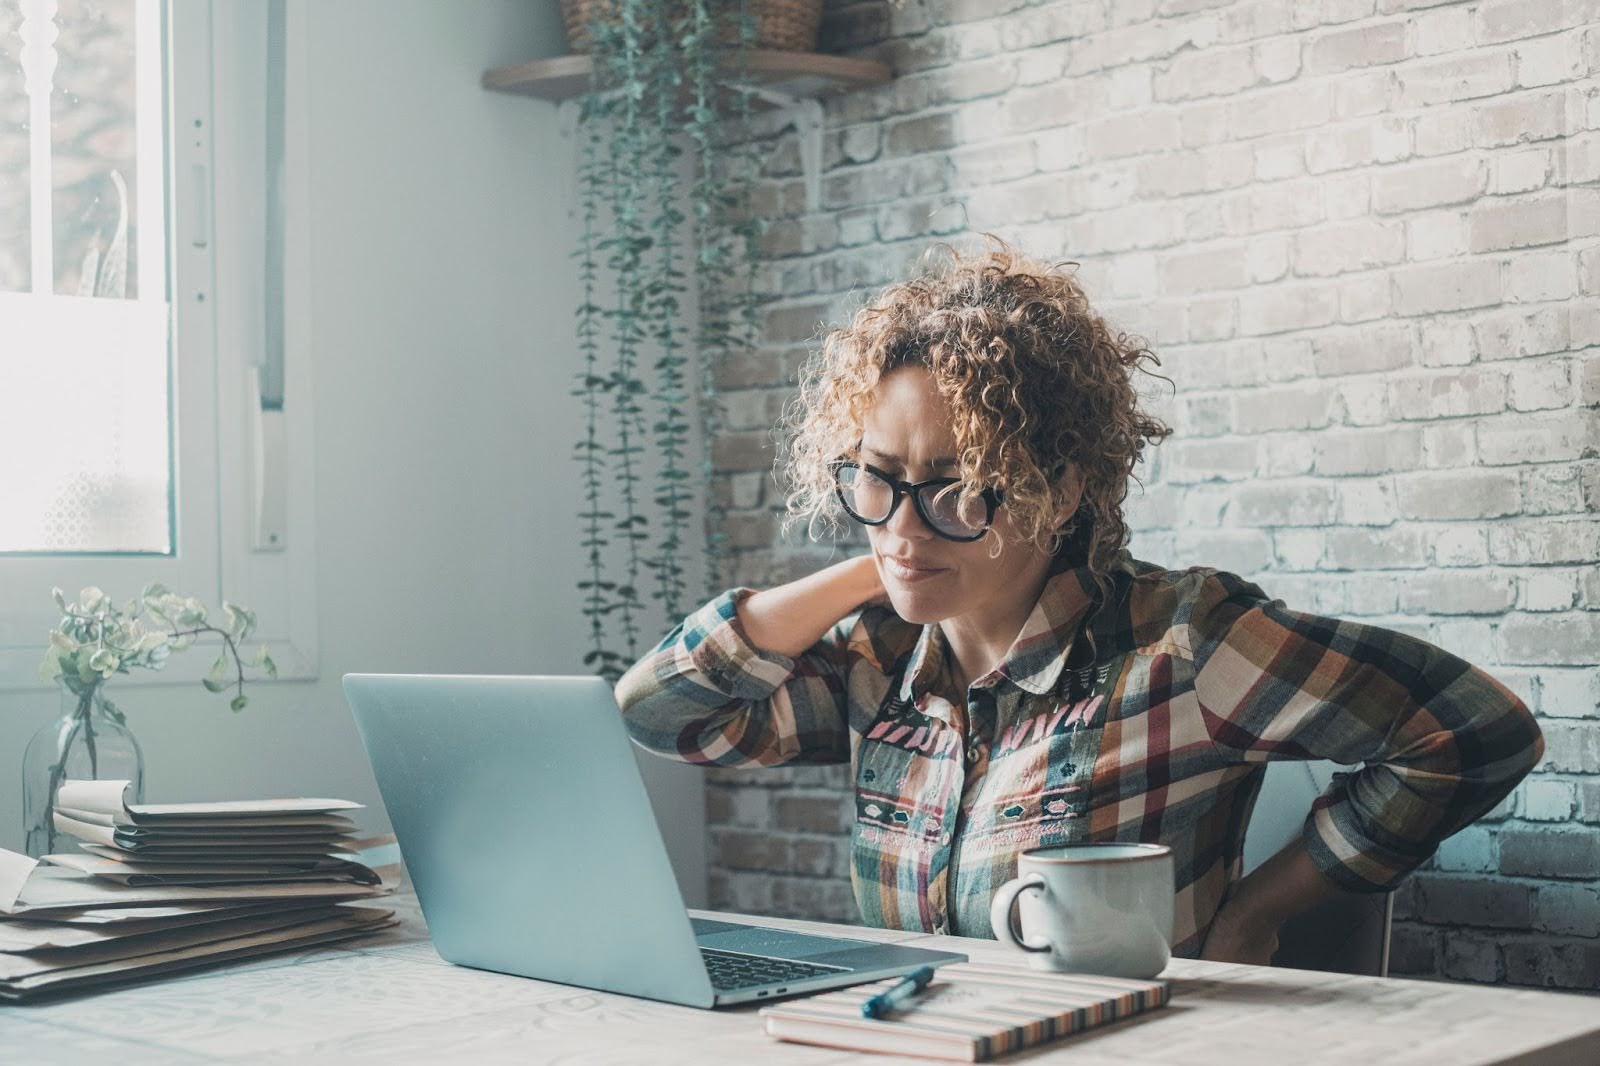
[1363, 238]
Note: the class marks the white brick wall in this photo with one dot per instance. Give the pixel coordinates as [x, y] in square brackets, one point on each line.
[1364, 238]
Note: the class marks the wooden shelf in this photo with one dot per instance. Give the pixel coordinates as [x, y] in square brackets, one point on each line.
[798, 74]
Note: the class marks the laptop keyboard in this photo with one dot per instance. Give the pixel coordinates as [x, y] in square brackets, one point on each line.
[733, 969]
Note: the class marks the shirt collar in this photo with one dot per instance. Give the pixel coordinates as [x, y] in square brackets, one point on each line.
[1039, 651]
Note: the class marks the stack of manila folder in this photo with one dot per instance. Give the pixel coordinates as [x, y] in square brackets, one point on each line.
[162, 887]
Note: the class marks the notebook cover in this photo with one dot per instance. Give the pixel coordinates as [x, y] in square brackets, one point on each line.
[970, 1012]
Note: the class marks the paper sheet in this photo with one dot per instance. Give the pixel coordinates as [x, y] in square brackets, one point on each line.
[316, 825]
[13, 967]
[21, 935]
[240, 840]
[106, 917]
[108, 798]
[57, 888]
[210, 873]
[250, 823]
[321, 932]
[152, 860]
[15, 869]
[120, 867]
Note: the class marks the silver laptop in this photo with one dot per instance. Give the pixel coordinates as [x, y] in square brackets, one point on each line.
[529, 837]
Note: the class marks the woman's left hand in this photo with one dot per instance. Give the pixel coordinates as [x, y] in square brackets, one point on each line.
[1238, 936]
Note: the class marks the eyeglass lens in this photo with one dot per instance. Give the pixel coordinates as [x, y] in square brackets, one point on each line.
[870, 498]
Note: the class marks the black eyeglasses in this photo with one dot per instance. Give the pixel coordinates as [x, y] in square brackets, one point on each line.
[870, 496]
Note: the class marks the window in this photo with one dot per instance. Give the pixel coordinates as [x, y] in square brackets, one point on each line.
[83, 270]
[154, 420]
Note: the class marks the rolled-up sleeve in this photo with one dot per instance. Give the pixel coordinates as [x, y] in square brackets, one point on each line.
[1441, 741]
[707, 695]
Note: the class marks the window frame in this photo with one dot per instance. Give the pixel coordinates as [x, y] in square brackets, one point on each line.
[212, 115]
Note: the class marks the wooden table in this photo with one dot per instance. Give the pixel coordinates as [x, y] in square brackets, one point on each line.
[389, 998]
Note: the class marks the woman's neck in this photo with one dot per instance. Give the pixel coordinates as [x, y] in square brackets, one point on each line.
[977, 641]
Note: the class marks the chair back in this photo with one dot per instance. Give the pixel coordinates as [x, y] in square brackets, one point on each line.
[1349, 934]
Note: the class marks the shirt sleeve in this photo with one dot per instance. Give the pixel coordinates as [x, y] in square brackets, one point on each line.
[1441, 741]
[707, 695]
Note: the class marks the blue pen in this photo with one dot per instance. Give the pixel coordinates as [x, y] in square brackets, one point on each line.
[897, 996]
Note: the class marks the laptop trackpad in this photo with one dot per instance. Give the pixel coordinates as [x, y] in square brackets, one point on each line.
[755, 940]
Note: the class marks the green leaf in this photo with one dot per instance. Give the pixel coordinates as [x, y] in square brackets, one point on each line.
[192, 613]
[216, 680]
[238, 703]
[241, 621]
[50, 669]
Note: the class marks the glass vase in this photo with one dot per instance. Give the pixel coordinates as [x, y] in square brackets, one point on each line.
[84, 743]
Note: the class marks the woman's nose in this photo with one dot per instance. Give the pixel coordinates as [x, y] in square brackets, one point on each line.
[906, 523]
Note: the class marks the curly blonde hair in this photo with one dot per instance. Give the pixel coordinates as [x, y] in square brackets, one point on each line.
[1034, 380]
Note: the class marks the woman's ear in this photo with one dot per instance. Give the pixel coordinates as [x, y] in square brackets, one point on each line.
[1070, 483]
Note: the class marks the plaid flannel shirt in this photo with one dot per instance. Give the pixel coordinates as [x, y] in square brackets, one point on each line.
[1160, 734]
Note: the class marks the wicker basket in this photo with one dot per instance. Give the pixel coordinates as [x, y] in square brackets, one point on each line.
[782, 25]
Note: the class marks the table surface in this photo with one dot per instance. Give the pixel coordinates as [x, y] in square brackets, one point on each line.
[389, 998]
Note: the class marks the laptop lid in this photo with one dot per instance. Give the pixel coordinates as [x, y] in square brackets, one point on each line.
[527, 831]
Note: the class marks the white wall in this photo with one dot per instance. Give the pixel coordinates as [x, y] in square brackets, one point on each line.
[446, 497]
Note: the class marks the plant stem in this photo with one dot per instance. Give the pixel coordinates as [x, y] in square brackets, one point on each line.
[86, 712]
[58, 771]
[227, 639]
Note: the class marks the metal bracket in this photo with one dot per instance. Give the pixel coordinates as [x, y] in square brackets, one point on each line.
[805, 115]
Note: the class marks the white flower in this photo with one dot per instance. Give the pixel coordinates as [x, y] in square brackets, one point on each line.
[104, 661]
[193, 612]
[150, 642]
[167, 605]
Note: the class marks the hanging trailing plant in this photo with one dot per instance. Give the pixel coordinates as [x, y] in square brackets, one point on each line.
[662, 75]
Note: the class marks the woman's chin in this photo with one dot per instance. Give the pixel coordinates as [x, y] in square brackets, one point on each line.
[916, 606]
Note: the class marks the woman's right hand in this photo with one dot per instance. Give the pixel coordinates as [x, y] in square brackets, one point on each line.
[790, 618]
[872, 576]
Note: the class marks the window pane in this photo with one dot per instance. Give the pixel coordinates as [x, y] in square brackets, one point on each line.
[83, 426]
[14, 204]
[93, 136]
[85, 460]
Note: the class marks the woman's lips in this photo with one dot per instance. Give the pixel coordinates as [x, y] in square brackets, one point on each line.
[905, 573]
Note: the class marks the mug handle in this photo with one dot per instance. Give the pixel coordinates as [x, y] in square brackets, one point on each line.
[1001, 908]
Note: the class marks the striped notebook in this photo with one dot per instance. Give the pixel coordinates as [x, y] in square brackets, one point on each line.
[970, 1012]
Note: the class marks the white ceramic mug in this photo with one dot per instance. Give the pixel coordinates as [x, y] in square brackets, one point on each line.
[1090, 908]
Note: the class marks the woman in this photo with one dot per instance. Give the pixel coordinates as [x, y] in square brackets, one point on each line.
[1001, 674]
